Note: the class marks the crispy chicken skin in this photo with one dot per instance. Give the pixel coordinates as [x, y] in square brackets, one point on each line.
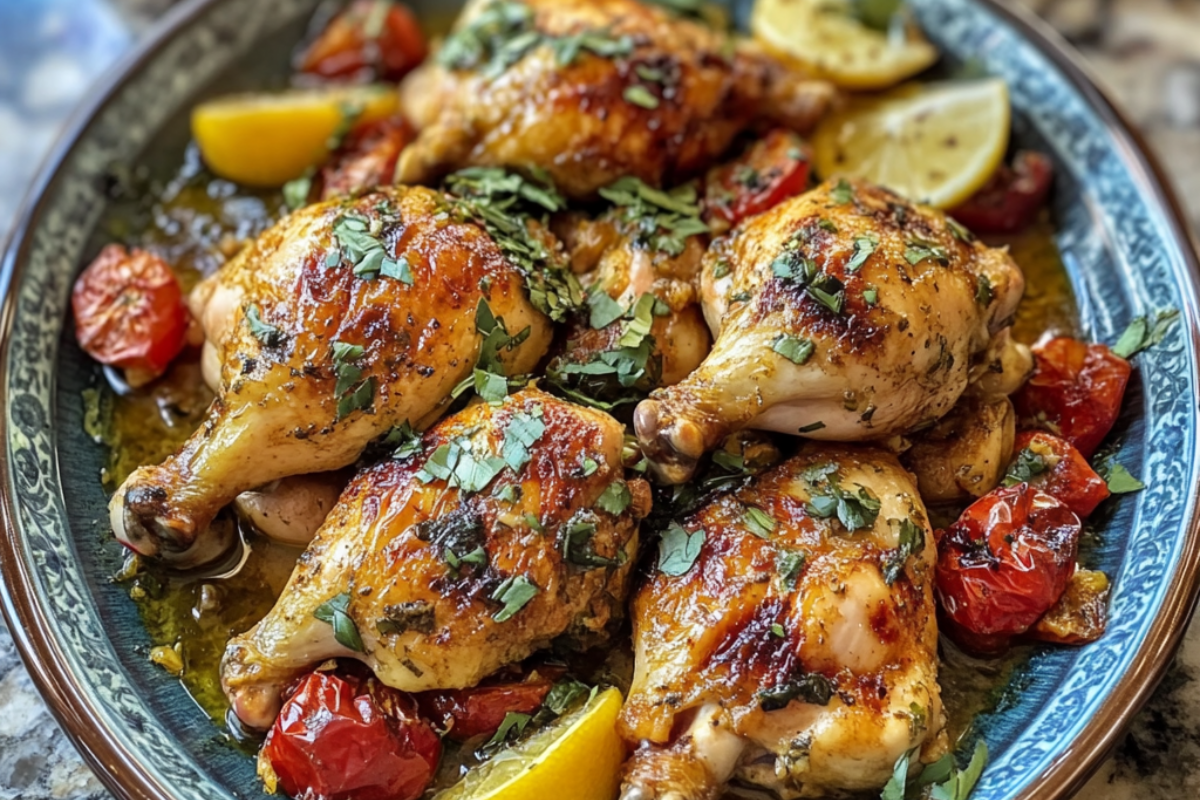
[808, 607]
[572, 115]
[424, 623]
[614, 262]
[277, 408]
[808, 341]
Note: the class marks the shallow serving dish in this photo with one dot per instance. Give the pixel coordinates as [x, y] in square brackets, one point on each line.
[1118, 227]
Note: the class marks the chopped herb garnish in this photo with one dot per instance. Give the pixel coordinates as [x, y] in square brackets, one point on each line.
[513, 594]
[590, 465]
[490, 387]
[353, 393]
[523, 430]
[1025, 467]
[720, 269]
[534, 523]
[639, 95]
[831, 300]
[794, 348]
[678, 549]
[603, 310]
[918, 251]
[910, 540]
[296, 191]
[615, 498]
[870, 295]
[827, 225]
[958, 231]
[1119, 479]
[855, 509]
[403, 617]
[983, 290]
[513, 725]
[267, 335]
[939, 780]
[335, 611]
[778, 631]
[460, 466]
[562, 697]
[357, 399]
[842, 193]
[360, 242]
[398, 269]
[812, 426]
[789, 564]
[864, 246]
[656, 219]
[812, 688]
[404, 441]
[759, 522]
[577, 546]
[1141, 334]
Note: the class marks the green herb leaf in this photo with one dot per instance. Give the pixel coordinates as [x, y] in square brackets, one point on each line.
[678, 550]
[983, 290]
[490, 387]
[789, 564]
[911, 539]
[812, 426]
[653, 218]
[357, 399]
[842, 193]
[864, 246]
[918, 251]
[1027, 465]
[615, 498]
[335, 612]
[1141, 334]
[514, 723]
[398, 269]
[513, 594]
[1119, 479]
[590, 465]
[523, 430]
[639, 95]
[812, 688]
[856, 509]
[897, 785]
[721, 269]
[759, 522]
[958, 231]
[268, 335]
[778, 631]
[296, 191]
[794, 348]
[603, 310]
[870, 295]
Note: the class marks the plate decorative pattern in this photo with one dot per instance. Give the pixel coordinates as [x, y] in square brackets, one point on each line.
[1119, 234]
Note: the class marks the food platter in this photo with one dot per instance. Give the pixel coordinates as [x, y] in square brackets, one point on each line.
[1118, 227]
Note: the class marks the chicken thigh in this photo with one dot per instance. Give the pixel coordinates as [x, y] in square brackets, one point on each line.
[786, 637]
[345, 319]
[644, 328]
[506, 526]
[591, 91]
[844, 314]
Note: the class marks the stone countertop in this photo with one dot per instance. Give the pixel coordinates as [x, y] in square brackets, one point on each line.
[1146, 51]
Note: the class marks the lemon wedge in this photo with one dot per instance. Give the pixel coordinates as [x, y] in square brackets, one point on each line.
[269, 139]
[934, 143]
[578, 757]
[825, 37]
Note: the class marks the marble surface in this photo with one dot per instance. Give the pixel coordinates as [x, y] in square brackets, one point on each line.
[1146, 51]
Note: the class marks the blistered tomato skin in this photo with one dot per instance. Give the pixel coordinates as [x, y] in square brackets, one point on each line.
[467, 713]
[350, 739]
[367, 158]
[773, 169]
[1067, 475]
[1010, 200]
[372, 40]
[129, 311]
[1003, 564]
[1075, 392]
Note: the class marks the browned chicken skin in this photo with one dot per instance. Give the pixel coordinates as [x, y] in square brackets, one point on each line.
[843, 314]
[446, 581]
[799, 651]
[317, 357]
[606, 88]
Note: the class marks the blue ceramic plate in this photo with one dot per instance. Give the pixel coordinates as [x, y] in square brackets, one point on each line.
[1119, 230]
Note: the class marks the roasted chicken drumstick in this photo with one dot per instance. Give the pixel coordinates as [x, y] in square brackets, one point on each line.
[506, 526]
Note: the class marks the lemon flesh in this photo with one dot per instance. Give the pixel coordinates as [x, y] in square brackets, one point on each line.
[269, 139]
[824, 37]
[936, 143]
[578, 757]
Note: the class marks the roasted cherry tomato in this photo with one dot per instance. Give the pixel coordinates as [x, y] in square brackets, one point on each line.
[372, 40]
[467, 713]
[1003, 564]
[772, 170]
[1080, 615]
[1051, 464]
[129, 311]
[367, 158]
[1012, 197]
[1075, 392]
[349, 738]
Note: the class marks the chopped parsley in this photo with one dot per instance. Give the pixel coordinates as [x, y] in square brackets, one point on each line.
[721, 269]
[360, 244]
[615, 498]
[1119, 479]
[513, 594]
[864, 246]
[678, 549]
[476, 558]
[399, 269]
[352, 393]
[793, 267]
[870, 295]
[1025, 467]
[656, 219]
[505, 203]
[513, 725]
[523, 430]
[778, 631]
[603, 310]
[460, 466]
[268, 335]
[958, 231]
[404, 441]
[810, 427]
[577, 545]
[794, 348]
[413, 616]
[335, 612]
[855, 509]
[297, 190]
[639, 95]
[918, 251]
[1142, 334]
[789, 564]
[759, 522]
[842, 193]
[911, 539]
[812, 688]
[983, 290]
[939, 780]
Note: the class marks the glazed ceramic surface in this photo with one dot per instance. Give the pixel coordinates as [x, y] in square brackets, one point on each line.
[1118, 230]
